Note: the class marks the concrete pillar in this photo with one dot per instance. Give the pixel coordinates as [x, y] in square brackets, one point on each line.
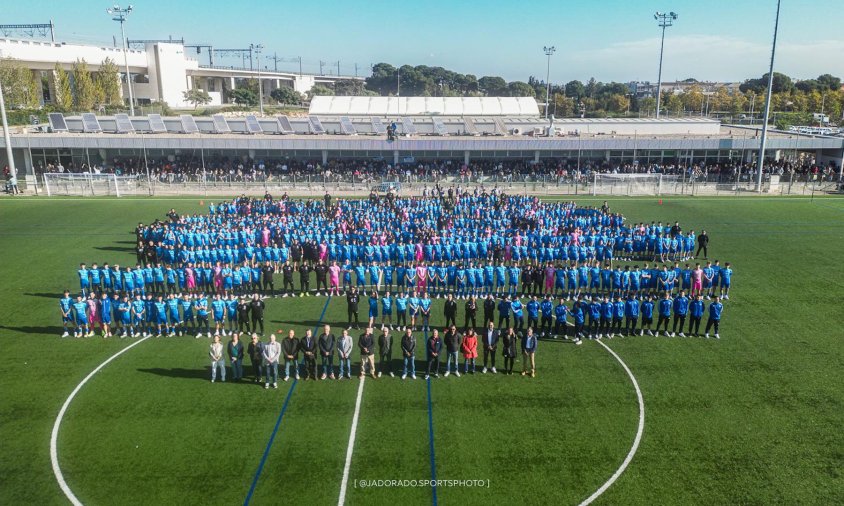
[395, 157]
[466, 157]
[324, 156]
[536, 156]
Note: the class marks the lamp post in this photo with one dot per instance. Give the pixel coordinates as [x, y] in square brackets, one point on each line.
[256, 48]
[664, 21]
[120, 16]
[760, 162]
[549, 50]
[6, 137]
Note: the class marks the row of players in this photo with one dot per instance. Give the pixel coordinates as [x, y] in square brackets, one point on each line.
[267, 357]
[187, 314]
[439, 279]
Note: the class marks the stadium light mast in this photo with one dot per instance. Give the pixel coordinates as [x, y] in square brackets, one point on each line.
[760, 162]
[549, 50]
[6, 136]
[120, 16]
[664, 21]
[256, 48]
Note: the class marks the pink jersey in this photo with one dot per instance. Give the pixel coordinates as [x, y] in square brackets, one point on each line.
[697, 274]
[421, 275]
[334, 274]
[265, 237]
[549, 275]
[323, 251]
[93, 310]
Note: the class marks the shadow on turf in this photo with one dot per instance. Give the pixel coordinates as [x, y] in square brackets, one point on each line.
[178, 372]
[122, 249]
[34, 330]
[45, 295]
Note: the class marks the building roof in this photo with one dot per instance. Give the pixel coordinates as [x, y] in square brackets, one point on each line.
[424, 106]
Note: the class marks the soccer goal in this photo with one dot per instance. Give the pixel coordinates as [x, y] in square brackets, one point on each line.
[631, 184]
[85, 184]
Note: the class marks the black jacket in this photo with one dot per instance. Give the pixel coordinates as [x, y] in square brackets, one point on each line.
[408, 344]
[483, 337]
[326, 343]
[509, 348]
[489, 307]
[385, 344]
[450, 307]
[452, 341]
[290, 347]
[366, 342]
[308, 347]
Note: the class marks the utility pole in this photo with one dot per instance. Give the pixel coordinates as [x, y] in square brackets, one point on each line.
[760, 162]
[321, 63]
[548, 52]
[256, 48]
[120, 16]
[6, 136]
[664, 20]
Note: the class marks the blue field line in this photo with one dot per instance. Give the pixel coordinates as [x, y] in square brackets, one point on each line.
[431, 434]
[278, 422]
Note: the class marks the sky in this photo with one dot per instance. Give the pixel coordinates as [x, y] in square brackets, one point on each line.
[611, 40]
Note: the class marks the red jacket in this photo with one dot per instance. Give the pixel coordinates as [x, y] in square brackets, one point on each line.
[470, 346]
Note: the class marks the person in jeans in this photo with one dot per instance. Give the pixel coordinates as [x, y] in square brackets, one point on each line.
[385, 353]
[308, 346]
[290, 348]
[216, 354]
[235, 350]
[408, 349]
[366, 344]
[271, 353]
[344, 349]
[326, 352]
[434, 346]
[529, 352]
[256, 356]
[452, 347]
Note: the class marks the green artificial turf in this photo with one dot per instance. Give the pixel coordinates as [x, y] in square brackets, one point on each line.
[754, 418]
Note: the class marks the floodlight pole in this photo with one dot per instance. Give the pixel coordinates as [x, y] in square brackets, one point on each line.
[256, 48]
[548, 52]
[760, 162]
[664, 21]
[120, 16]
[6, 138]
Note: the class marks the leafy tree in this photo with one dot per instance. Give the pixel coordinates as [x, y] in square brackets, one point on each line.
[575, 89]
[693, 98]
[647, 105]
[782, 83]
[674, 103]
[20, 86]
[492, 86]
[383, 79]
[349, 87]
[592, 87]
[286, 95]
[244, 96]
[108, 82]
[829, 81]
[320, 90]
[85, 94]
[196, 97]
[521, 89]
[64, 94]
[618, 103]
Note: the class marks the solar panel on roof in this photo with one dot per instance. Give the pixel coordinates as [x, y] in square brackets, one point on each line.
[408, 127]
[57, 122]
[252, 125]
[156, 124]
[469, 126]
[378, 126]
[439, 126]
[90, 123]
[284, 125]
[188, 124]
[500, 127]
[346, 126]
[123, 124]
[220, 124]
[316, 125]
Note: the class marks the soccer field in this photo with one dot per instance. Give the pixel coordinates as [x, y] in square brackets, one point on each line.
[753, 418]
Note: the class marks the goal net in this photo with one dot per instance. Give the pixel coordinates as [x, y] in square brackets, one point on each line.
[87, 184]
[632, 184]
